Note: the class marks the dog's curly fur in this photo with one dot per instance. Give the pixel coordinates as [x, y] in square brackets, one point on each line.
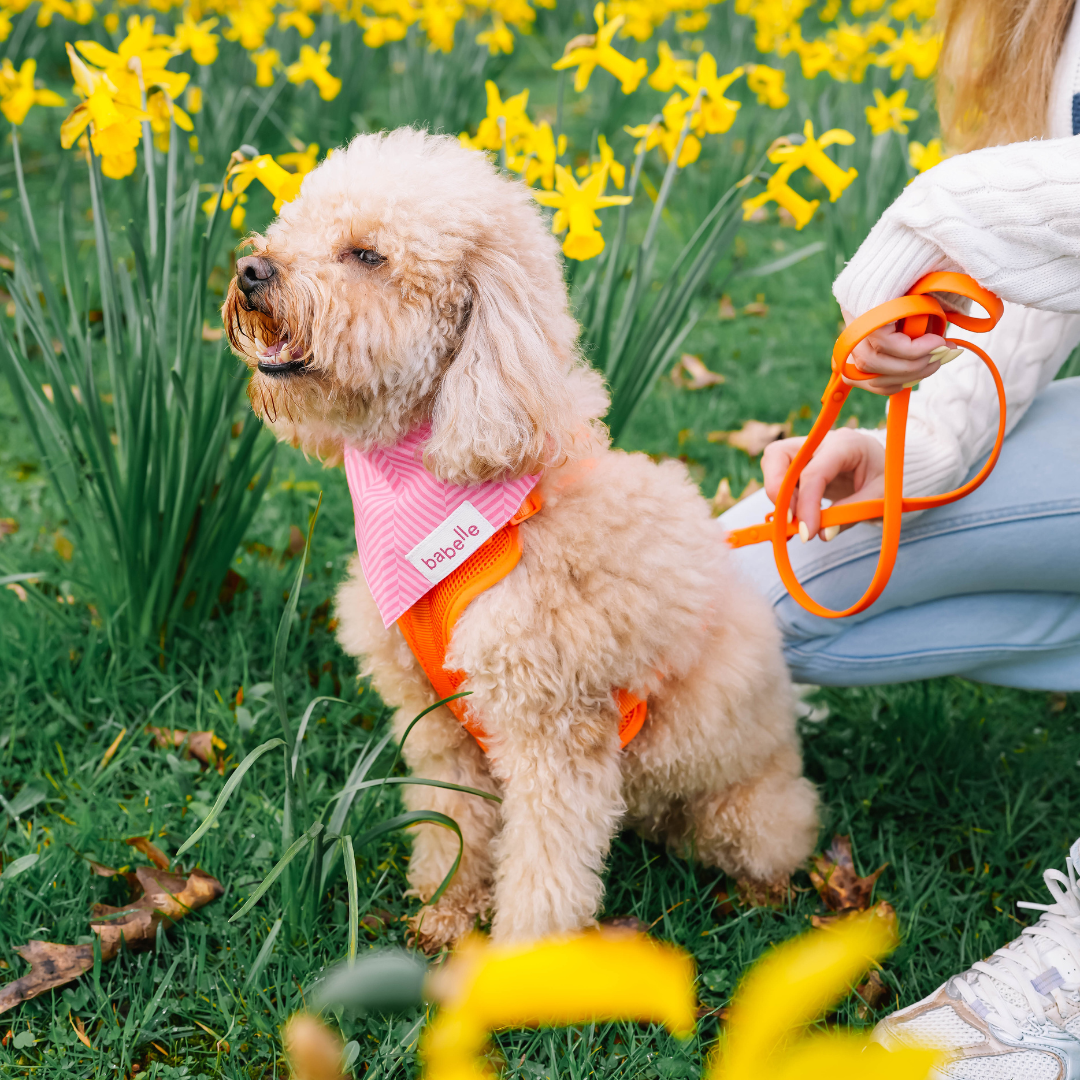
[624, 580]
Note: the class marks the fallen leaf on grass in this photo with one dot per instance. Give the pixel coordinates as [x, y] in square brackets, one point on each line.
[882, 910]
[691, 373]
[162, 898]
[763, 894]
[113, 747]
[151, 851]
[296, 542]
[80, 1031]
[727, 308]
[200, 744]
[725, 500]
[234, 583]
[704, 1011]
[752, 437]
[8, 526]
[629, 923]
[836, 881]
[64, 547]
[874, 991]
[376, 919]
[758, 307]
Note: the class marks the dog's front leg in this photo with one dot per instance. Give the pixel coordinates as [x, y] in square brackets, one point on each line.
[562, 804]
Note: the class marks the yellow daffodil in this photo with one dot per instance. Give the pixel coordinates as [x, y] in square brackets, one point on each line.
[666, 135]
[504, 119]
[299, 20]
[921, 10]
[281, 183]
[768, 84]
[315, 67]
[114, 120]
[574, 980]
[890, 113]
[810, 154]
[575, 210]
[498, 39]
[919, 51]
[161, 110]
[616, 171]
[195, 37]
[691, 24]
[925, 157]
[543, 151]
[716, 113]
[249, 21]
[668, 70]
[139, 62]
[17, 92]
[301, 162]
[193, 99]
[265, 61]
[439, 20]
[589, 51]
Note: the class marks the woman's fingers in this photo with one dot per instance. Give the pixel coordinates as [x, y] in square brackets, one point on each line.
[896, 358]
[775, 461]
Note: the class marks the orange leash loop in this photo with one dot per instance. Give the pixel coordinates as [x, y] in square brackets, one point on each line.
[917, 314]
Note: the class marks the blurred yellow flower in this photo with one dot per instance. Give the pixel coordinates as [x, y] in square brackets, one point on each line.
[249, 21]
[668, 70]
[193, 99]
[315, 67]
[301, 162]
[161, 108]
[504, 119]
[717, 113]
[925, 157]
[919, 51]
[666, 135]
[195, 37]
[115, 121]
[17, 93]
[300, 20]
[890, 113]
[691, 24]
[139, 61]
[498, 39]
[265, 61]
[589, 51]
[544, 150]
[768, 84]
[575, 210]
[616, 171]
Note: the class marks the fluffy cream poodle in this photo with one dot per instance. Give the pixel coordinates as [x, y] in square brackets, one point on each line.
[410, 282]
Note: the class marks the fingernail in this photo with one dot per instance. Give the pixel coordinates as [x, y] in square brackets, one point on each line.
[952, 355]
[804, 532]
[830, 533]
[790, 515]
[939, 353]
[909, 385]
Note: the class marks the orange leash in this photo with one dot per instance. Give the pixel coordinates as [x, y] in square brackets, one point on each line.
[917, 314]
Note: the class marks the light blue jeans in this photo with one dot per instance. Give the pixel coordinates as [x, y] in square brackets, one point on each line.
[987, 587]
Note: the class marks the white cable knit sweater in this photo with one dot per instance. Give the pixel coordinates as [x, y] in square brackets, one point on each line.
[1010, 217]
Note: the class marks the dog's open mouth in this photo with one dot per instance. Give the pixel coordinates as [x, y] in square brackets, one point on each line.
[276, 359]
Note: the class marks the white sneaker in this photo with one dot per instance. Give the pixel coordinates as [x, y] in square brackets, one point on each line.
[1015, 1015]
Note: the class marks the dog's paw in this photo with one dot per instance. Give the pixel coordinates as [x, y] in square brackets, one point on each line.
[444, 924]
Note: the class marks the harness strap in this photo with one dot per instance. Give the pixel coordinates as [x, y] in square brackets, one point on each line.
[429, 623]
[917, 314]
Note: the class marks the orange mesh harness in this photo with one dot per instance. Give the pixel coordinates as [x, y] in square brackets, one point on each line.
[428, 624]
[918, 314]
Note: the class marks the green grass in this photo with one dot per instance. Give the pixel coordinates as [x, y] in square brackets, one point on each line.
[966, 791]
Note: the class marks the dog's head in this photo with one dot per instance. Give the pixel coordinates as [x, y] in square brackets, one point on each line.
[410, 282]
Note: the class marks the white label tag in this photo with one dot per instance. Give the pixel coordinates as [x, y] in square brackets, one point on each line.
[448, 545]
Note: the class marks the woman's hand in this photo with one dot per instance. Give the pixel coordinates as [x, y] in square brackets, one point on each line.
[897, 359]
[848, 466]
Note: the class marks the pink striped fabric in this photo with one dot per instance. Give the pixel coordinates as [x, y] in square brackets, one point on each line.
[398, 504]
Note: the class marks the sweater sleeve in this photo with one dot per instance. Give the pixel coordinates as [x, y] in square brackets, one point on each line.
[1008, 215]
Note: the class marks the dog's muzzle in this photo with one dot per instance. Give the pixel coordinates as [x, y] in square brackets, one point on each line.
[254, 275]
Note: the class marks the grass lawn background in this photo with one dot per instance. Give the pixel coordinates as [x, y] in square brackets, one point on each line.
[966, 791]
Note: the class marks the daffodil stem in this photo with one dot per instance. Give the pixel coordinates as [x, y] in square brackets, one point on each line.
[22, 188]
[669, 176]
[151, 188]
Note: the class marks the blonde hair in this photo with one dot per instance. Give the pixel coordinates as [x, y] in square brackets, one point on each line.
[997, 63]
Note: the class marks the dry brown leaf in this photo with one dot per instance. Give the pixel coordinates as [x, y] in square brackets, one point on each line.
[296, 542]
[836, 881]
[626, 923]
[727, 308]
[313, 1050]
[113, 747]
[64, 547]
[875, 992]
[234, 583]
[211, 333]
[80, 1031]
[8, 526]
[725, 500]
[163, 898]
[221, 1044]
[882, 910]
[773, 894]
[200, 744]
[786, 218]
[758, 215]
[151, 851]
[377, 919]
[102, 870]
[50, 965]
[691, 373]
[758, 307]
[18, 590]
[752, 437]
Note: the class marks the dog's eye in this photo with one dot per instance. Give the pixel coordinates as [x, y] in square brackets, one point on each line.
[369, 257]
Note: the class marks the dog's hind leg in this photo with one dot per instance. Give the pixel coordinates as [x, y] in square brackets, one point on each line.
[761, 829]
[562, 803]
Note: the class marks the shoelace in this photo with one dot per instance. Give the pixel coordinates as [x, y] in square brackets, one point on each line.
[1021, 968]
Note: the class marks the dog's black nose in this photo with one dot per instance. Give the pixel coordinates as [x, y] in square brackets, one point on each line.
[253, 271]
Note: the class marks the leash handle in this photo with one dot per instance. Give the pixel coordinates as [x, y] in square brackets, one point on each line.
[917, 313]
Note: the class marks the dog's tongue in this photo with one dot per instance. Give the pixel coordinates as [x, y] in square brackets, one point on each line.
[272, 352]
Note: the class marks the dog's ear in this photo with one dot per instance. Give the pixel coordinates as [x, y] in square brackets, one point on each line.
[505, 407]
